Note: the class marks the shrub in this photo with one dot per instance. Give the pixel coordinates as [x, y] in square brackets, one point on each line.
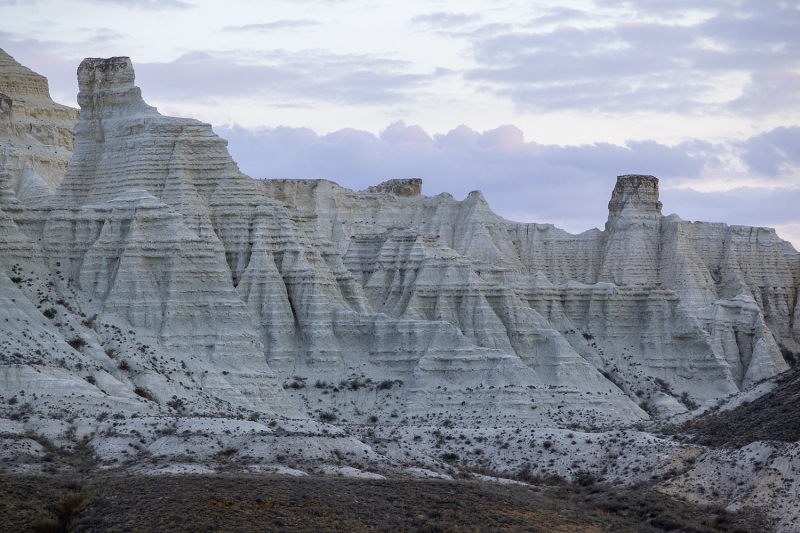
[450, 457]
[688, 402]
[144, 393]
[50, 313]
[176, 403]
[328, 416]
[77, 343]
[16, 279]
[90, 379]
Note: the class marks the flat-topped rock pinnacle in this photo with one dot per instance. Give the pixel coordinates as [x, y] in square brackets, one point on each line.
[107, 89]
[635, 191]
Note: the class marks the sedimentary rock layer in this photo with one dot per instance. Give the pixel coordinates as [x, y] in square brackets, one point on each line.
[36, 139]
[160, 275]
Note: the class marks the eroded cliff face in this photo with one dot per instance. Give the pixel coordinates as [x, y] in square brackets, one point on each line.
[158, 272]
[646, 301]
[36, 139]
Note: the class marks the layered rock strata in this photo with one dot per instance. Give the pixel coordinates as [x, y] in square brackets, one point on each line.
[159, 275]
[632, 299]
[36, 139]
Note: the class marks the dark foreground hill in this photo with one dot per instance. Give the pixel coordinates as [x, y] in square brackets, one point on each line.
[271, 503]
[772, 417]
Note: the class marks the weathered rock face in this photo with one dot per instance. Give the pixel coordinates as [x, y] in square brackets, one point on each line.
[631, 300]
[36, 139]
[166, 274]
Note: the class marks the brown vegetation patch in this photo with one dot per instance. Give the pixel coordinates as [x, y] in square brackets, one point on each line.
[256, 503]
[772, 417]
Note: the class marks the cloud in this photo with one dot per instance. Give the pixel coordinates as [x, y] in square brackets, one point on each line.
[632, 63]
[281, 78]
[442, 19]
[521, 180]
[525, 181]
[774, 152]
[559, 14]
[273, 26]
[150, 5]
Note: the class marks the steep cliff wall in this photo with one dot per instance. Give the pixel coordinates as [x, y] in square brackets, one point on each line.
[160, 277]
[36, 139]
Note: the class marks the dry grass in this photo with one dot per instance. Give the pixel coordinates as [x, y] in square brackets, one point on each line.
[246, 503]
[772, 417]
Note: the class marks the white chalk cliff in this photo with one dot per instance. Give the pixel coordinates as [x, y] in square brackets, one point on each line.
[158, 277]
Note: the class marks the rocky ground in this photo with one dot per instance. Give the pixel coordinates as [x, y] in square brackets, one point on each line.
[697, 475]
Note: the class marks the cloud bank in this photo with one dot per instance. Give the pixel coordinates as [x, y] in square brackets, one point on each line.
[526, 181]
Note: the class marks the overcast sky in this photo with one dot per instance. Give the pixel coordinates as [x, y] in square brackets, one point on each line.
[538, 104]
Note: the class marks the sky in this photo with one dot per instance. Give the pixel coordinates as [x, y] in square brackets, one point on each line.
[538, 104]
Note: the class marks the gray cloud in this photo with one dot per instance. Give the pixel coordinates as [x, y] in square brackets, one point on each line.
[652, 64]
[774, 152]
[281, 78]
[559, 14]
[273, 26]
[441, 19]
[567, 185]
[152, 5]
[747, 206]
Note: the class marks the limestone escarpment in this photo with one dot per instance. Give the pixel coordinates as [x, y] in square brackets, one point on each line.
[36, 139]
[628, 299]
[169, 275]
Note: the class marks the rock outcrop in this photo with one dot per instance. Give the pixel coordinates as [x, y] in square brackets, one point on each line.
[36, 139]
[160, 278]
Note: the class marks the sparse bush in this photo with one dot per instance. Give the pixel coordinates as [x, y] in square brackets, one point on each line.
[176, 403]
[450, 457]
[385, 384]
[688, 401]
[67, 508]
[373, 419]
[144, 393]
[124, 366]
[666, 387]
[77, 343]
[328, 416]
[90, 379]
[320, 384]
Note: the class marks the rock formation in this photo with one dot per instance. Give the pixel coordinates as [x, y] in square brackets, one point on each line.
[159, 277]
[36, 140]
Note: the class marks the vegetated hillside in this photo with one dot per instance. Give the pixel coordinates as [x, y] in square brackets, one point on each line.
[259, 503]
[772, 417]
